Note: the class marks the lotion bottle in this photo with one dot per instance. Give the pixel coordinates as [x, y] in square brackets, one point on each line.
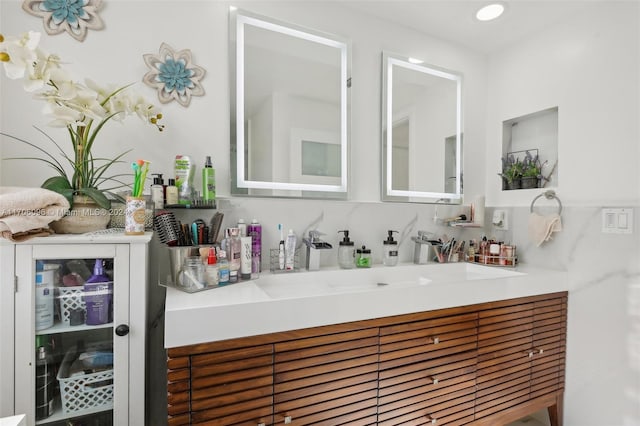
[346, 252]
[157, 191]
[390, 250]
[172, 193]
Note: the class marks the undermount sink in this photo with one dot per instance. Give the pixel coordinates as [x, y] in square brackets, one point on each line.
[379, 278]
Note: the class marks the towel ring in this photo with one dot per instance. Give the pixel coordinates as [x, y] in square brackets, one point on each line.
[549, 195]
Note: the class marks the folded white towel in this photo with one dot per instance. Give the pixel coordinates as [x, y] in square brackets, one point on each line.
[541, 227]
[27, 212]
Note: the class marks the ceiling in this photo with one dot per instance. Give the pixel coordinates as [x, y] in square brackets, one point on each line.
[454, 21]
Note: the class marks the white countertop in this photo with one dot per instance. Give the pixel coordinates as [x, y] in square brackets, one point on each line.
[281, 302]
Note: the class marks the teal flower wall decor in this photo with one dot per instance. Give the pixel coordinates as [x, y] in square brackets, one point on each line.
[173, 75]
[72, 16]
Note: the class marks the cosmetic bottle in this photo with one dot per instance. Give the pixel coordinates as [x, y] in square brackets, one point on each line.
[346, 252]
[45, 383]
[242, 226]
[211, 270]
[98, 294]
[172, 193]
[290, 251]
[233, 249]
[223, 268]
[157, 191]
[254, 230]
[208, 181]
[390, 250]
[363, 257]
[245, 258]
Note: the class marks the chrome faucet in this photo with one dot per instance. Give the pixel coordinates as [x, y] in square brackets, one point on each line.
[422, 250]
[314, 245]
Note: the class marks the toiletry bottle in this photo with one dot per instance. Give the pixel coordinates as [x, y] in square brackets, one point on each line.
[157, 191]
[208, 181]
[233, 249]
[245, 258]
[45, 383]
[290, 251]
[242, 226]
[254, 230]
[363, 257]
[281, 249]
[346, 252]
[172, 193]
[98, 294]
[211, 270]
[390, 247]
[184, 171]
[223, 268]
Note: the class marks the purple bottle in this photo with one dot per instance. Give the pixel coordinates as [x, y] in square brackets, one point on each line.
[254, 230]
[98, 296]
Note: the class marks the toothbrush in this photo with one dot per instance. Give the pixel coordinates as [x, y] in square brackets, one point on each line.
[281, 248]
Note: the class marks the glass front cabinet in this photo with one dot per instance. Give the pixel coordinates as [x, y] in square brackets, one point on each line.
[79, 322]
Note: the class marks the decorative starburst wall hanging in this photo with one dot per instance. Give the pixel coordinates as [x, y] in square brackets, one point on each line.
[173, 75]
[72, 16]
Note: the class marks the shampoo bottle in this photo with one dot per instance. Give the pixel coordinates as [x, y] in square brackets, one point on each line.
[98, 294]
[390, 250]
[157, 191]
[233, 249]
[254, 230]
[346, 253]
[208, 181]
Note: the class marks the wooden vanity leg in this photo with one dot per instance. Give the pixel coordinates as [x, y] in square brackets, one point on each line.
[555, 412]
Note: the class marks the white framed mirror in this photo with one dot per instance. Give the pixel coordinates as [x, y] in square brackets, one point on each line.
[289, 109]
[421, 132]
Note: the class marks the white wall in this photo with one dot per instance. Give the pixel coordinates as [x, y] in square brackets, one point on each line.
[588, 67]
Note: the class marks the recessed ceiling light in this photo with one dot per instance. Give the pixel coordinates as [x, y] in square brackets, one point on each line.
[490, 12]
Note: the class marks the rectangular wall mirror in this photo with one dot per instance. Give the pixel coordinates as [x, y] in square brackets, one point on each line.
[289, 109]
[421, 132]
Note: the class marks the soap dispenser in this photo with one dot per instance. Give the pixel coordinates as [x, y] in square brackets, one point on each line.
[390, 250]
[346, 253]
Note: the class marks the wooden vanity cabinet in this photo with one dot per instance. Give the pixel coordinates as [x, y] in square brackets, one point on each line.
[485, 364]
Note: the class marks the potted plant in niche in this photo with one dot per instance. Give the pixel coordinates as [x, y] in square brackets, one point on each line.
[532, 171]
[512, 170]
[83, 109]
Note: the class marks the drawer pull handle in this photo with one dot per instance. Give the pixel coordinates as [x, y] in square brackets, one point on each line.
[262, 424]
[288, 420]
[431, 420]
[436, 340]
[435, 380]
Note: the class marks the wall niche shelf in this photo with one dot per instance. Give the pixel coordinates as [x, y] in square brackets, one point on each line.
[530, 151]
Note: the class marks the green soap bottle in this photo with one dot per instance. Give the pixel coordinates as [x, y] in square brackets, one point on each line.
[208, 181]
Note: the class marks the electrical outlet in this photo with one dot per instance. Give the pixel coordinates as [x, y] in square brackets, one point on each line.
[501, 219]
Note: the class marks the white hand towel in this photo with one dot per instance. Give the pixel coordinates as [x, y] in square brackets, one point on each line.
[541, 228]
[26, 212]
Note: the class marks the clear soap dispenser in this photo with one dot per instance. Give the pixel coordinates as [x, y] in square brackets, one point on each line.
[346, 252]
[390, 250]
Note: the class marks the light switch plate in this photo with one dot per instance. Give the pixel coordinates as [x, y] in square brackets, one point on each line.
[617, 221]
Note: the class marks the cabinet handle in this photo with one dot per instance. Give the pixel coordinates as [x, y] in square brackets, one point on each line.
[262, 424]
[122, 330]
[434, 380]
[436, 340]
[288, 420]
[431, 420]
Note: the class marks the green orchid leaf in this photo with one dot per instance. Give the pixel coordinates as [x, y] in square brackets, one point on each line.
[97, 196]
[61, 185]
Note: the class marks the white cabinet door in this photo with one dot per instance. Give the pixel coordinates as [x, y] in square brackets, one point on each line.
[70, 360]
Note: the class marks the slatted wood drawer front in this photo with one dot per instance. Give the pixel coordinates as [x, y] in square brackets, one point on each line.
[427, 371]
[233, 387]
[505, 337]
[178, 390]
[327, 380]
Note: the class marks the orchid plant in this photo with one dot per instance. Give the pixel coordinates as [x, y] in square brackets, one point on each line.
[82, 108]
